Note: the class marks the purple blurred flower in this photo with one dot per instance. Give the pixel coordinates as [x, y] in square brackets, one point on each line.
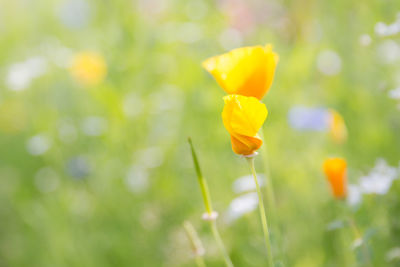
[78, 167]
[309, 119]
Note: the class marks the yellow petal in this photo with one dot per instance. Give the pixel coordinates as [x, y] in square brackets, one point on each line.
[338, 127]
[243, 115]
[247, 71]
[245, 145]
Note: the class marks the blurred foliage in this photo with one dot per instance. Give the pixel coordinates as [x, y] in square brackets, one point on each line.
[100, 174]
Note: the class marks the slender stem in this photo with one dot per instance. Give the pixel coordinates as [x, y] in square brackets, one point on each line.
[220, 244]
[207, 202]
[269, 187]
[343, 256]
[349, 215]
[195, 243]
[354, 228]
[271, 199]
[358, 235]
[202, 182]
[264, 223]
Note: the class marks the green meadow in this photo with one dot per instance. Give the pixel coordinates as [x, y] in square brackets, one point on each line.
[98, 99]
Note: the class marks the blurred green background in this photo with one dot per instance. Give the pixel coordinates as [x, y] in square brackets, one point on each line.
[98, 172]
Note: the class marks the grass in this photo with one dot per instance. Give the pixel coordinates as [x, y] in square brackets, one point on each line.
[129, 207]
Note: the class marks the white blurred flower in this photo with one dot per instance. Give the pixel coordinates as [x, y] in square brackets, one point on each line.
[163, 127]
[152, 8]
[74, 14]
[335, 225]
[38, 144]
[168, 32]
[395, 93]
[365, 40]
[383, 29]
[94, 126]
[230, 38]
[379, 179]
[21, 74]
[150, 157]
[55, 51]
[242, 205]
[380, 28]
[196, 9]
[388, 51]
[67, 132]
[354, 195]
[46, 180]
[150, 217]
[329, 63]
[137, 179]
[168, 98]
[393, 254]
[246, 183]
[80, 203]
[132, 105]
[62, 56]
[357, 243]
[189, 32]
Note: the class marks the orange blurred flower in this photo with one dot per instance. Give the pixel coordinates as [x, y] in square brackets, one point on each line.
[243, 116]
[335, 171]
[247, 71]
[89, 68]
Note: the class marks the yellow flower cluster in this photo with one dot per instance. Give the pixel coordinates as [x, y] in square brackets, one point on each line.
[246, 74]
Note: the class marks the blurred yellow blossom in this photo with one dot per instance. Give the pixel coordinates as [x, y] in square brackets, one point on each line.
[337, 127]
[335, 171]
[89, 68]
[243, 116]
[247, 71]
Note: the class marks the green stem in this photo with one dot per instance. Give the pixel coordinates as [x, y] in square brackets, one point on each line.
[195, 243]
[264, 223]
[207, 202]
[220, 244]
[358, 235]
[349, 216]
[269, 187]
[342, 254]
[202, 182]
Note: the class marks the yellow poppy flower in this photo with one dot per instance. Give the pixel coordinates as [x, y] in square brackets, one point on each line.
[338, 128]
[242, 117]
[88, 68]
[247, 71]
[335, 171]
